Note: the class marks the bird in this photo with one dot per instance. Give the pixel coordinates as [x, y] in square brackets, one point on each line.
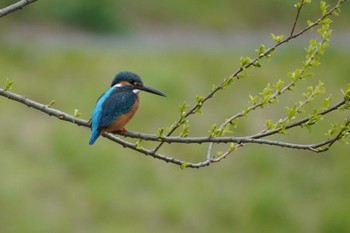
[115, 107]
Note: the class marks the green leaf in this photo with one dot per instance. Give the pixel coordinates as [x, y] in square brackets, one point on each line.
[244, 61]
[198, 110]
[183, 108]
[279, 85]
[199, 99]
[171, 126]
[77, 113]
[242, 75]
[138, 144]
[51, 103]
[269, 124]
[227, 129]
[309, 22]
[228, 81]
[261, 50]
[334, 128]
[323, 7]
[183, 165]
[277, 39]
[185, 130]
[297, 5]
[234, 123]
[212, 130]
[257, 64]
[269, 53]
[327, 102]
[253, 99]
[232, 146]
[8, 84]
[160, 133]
[291, 113]
[346, 93]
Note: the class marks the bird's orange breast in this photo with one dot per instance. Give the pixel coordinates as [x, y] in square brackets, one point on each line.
[122, 120]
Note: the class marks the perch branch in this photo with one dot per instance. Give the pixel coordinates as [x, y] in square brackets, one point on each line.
[317, 147]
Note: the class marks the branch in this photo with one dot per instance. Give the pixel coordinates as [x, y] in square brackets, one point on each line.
[16, 6]
[234, 142]
[252, 63]
[187, 140]
[299, 7]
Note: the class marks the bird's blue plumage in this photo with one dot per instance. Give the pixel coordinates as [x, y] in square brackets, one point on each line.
[118, 104]
[113, 103]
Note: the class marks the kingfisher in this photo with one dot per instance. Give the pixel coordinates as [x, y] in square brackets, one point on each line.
[115, 108]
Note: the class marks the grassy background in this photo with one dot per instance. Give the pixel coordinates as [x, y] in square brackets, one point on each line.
[52, 181]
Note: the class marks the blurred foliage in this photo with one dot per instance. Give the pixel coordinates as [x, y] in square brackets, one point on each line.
[123, 15]
[52, 181]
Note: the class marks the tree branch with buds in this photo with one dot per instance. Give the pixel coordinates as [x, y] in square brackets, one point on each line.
[295, 116]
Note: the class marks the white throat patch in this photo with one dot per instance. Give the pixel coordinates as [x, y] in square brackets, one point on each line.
[136, 91]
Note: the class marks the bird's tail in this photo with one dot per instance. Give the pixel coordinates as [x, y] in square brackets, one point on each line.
[94, 136]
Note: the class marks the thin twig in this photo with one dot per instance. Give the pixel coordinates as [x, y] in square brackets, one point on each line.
[297, 17]
[16, 6]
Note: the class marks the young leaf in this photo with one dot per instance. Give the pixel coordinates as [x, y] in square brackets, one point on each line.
[160, 133]
[212, 130]
[183, 165]
[232, 147]
[323, 7]
[297, 5]
[51, 103]
[185, 130]
[279, 85]
[227, 129]
[244, 61]
[183, 108]
[199, 99]
[253, 99]
[138, 144]
[76, 113]
[269, 124]
[261, 50]
[8, 84]
[277, 39]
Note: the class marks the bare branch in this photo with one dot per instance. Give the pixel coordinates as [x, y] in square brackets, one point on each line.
[16, 6]
[44, 108]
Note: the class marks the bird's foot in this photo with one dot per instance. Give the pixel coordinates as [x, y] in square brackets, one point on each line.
[123, 130]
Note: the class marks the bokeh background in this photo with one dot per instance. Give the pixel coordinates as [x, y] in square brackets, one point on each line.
[51, 180]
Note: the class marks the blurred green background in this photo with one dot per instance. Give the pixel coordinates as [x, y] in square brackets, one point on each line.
[51, 180]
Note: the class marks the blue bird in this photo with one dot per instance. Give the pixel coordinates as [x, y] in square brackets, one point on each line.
[115, 107]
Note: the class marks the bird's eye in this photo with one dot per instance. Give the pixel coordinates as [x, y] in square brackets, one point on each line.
[134, 83]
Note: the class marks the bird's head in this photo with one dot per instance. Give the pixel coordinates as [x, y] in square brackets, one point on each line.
[133, 81]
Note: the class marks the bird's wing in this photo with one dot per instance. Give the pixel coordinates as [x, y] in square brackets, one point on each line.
[116, 104]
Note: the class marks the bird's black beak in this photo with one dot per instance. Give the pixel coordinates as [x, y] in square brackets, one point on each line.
[150, 90]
